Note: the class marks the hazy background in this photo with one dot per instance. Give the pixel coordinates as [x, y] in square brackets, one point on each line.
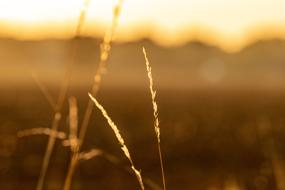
[219, 113]
[218, 68]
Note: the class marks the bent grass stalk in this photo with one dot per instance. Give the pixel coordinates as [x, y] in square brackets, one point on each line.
[41, 131]
[155, 115]
[120, 139]
[60, 100]
[105, 48]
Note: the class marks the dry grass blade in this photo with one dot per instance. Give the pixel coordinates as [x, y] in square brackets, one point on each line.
[155, 114]
[41, 131]
[89, 155]
[120, 139]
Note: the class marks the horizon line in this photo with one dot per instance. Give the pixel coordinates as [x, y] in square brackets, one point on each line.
[230, 43]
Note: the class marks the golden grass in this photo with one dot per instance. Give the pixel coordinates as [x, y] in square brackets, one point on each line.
[120, 139]
[74, 140]
[105, 48]
[155, 115]
[41, 131]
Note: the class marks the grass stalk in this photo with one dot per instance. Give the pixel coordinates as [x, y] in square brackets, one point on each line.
[105, 48]
[120, 140]
[155, 115]
[60, 100]
[41, 131]
[73, 141]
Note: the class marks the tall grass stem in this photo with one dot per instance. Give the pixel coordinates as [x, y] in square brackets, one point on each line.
[155, 115]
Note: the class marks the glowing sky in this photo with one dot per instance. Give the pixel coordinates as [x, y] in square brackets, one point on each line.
[227, 23]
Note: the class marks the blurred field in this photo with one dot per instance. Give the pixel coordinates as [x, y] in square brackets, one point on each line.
[222, 115]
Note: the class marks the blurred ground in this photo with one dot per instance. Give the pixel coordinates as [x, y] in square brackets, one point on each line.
[222, 115]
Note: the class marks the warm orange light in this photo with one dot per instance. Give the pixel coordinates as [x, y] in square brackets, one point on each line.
[227, 23]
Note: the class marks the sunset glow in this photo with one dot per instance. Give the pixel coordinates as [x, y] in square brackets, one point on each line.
[227, 23]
